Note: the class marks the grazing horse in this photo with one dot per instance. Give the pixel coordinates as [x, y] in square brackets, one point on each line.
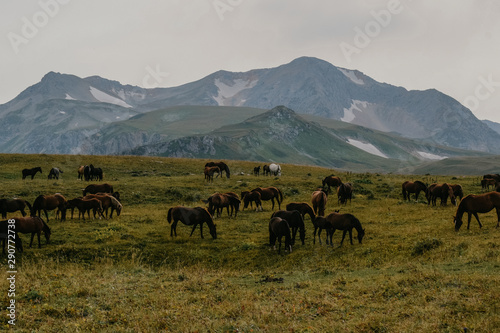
[487, 182]
[494, 176]
[477, 203]
[321, 223]
[219, 201]
[331, 181]
[49, 202]
[319, 199]
[85, 205]
[303, 208]
[275, 169]
[344, 192]
[12, 205]
[458, 191]
[249, 197]
[90, 172]
[256, 170]
[5, 235]
[98, 188]
[279, 228]
[295, 221]
[107, 201]
[442, 191]
[191, 217]
[209, 173]
[413, 187]
[54, 173]
[270, 193]
[31, 172]
[222, 166]
[33, 225]
[344, 222]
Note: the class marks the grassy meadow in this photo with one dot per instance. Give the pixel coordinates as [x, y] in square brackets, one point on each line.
[412, 273]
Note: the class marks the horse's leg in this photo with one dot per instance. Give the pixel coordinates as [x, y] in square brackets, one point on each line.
[32, 236]
[314, 235]
[350, 235]
[201, 229]
[294, 233]
[172, 229]
[192, 230]
[477, 218]
[343, 236]
[498, 216]
[38, 235]
[46, 214]
[23, 212]
[272, 200]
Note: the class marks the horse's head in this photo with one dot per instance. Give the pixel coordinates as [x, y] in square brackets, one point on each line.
[361, 234]
[213, 231]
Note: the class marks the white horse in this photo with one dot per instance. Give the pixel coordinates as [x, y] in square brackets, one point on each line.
[275, 169]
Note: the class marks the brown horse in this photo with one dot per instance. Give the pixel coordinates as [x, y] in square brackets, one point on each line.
[96, 188]
[344, 222]
[108, 201]
[13, 205]
[321, 223]
[279, 228]
[249, 197]
[477, 203]
[494, 176]
[487, 182]
[270, 193]
[319, 199]
[81, 170]
[295, 221]
[49, 202]
[33, 225]
[209, 173]
[458, 191]
[303, 208]
[191, 217]
[442, 191]
[413, 187]
[344, 193]
[331, 181]
[218, 201]
[222, 167]
[85, 205]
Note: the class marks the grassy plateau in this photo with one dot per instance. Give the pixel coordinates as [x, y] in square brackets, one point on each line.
[412, 273]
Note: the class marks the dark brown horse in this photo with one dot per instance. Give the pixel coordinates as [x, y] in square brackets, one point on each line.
[209, 173]
[303, 208]
[494, 176]
[319, 199]
[344, 193]
[413, 187]
[31, 172]
[85, 206]
[249, 197]
[33, 225]
[108, 201]
[270, 193]
[222, 166]
[477, 203]
[321, 223]
[487, 182]
[49, 202]
[218, 201]
[265, 170]
[295, 222]
[344, 222]
[458, 191]
[279, 228]
[13, 205]
[442, 191]
[191, 217]
[256, 170]
[331, 181]
[98, 188]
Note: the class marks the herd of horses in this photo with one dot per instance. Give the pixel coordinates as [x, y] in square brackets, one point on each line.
[100, 199]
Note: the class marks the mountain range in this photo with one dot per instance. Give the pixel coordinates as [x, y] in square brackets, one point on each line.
[306, 112]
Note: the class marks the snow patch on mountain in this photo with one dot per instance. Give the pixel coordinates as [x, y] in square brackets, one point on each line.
[101, 96]
[429, 156]
[351, 75]
[68, 96]
[227, 91]
[355, 106]
[368, 147]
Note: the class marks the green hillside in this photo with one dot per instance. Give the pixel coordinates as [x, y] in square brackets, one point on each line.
[411, 273]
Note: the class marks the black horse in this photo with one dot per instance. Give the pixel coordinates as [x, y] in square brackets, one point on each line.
[31, 172]
[222, 166]
[90, 173]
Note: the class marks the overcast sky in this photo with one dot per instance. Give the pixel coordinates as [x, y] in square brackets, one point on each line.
[449, 45]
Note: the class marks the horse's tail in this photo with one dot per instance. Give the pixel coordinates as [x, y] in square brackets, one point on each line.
[280, 194]
[169, 215]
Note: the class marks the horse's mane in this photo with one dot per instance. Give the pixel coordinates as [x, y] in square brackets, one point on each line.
[421, 183]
